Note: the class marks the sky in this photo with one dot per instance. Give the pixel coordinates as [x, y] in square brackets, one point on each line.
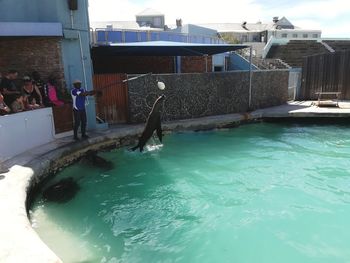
[330, 16]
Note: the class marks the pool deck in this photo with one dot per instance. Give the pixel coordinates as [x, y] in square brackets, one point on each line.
[306, 109]
[20, 243]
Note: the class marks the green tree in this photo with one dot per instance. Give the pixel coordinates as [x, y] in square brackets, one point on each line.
[229, 38]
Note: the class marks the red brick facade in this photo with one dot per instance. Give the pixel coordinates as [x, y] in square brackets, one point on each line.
[196, 64]
[133, 64]
[28, 54]
[156, 65]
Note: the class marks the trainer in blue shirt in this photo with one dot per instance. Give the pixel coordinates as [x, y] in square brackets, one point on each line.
[78, 95]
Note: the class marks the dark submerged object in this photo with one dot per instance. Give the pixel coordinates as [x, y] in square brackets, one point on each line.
[153, 123]
[92, 159]
[62, 191]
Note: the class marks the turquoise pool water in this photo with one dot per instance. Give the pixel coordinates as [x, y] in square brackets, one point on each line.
[257, 193]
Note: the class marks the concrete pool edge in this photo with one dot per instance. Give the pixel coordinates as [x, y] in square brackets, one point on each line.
[20, 242]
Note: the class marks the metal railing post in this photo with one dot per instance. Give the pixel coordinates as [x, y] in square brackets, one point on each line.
[250, 77]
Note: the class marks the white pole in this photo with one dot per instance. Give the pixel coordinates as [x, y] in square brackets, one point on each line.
[206, 63]
[250, 77]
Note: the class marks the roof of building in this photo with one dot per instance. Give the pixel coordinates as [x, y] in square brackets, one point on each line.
[163, 48]
[237, 27]
[195, 30]
[124, 25]
[284, 22]
[30, 29]
[150, 12]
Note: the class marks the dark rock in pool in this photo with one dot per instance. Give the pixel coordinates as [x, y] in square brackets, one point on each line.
[62, 191]
[92, 159]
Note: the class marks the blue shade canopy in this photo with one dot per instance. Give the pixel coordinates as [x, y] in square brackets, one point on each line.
[20, 29]
[163, 48]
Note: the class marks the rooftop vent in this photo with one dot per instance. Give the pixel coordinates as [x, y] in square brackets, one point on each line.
[179, 22]
[275, 19]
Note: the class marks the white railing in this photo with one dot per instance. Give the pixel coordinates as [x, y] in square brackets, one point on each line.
[328, 47]
[22, 131]
[104, 36]
[267, 47]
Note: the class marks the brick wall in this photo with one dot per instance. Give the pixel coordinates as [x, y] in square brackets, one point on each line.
[28, 54]
[196, 64]
[144, 64]
[133, 64]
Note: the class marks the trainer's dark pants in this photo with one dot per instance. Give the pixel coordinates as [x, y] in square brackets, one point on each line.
[79, 119]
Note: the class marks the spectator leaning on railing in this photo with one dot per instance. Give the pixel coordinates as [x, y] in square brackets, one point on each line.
[8, 87]
[4, 109]
[18, 104]
[32, 94]
[51, 89]
[39, 83]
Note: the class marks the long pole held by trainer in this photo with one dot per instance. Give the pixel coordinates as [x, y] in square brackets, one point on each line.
[125, 80]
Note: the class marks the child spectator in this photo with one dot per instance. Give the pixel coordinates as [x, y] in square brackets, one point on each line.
[52, 92]
[31, 92]
[4, 109]
[18, 104]
[8, 87]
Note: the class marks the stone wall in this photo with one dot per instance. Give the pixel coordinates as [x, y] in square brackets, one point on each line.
[206, 94]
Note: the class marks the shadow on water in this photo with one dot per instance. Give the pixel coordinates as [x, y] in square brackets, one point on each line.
[320, 121]
[125, 204]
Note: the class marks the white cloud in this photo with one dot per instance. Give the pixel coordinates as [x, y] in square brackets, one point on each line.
[113, 10]
[189, 11]
[319, 9]
[338, 31]
[206, 12]
[323, 15]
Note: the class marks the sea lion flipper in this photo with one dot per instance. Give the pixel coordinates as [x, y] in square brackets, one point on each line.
[134, 148]
[159, 130]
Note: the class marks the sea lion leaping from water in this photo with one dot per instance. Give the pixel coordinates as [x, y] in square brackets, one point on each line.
[153, 123]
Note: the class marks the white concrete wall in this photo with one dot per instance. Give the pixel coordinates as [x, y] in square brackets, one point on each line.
[291, 32]
[258, 48]
[219, 60]
[25, 130]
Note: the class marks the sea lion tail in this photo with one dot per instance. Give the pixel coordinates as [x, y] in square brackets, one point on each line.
[134, 148]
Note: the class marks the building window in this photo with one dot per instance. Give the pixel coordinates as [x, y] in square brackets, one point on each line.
[284, 35]
[157, 22]
[315, 35]
[256, 38]
[218, 68]
[295, 35]
[305, 36]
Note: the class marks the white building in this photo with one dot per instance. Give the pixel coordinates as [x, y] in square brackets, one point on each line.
[262, 32]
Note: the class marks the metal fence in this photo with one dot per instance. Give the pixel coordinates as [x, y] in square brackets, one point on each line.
[294, 83]
[326, 73]
[103, 36]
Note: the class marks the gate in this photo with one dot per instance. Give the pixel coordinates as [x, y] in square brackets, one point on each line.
[112, 106]
[326, 73]
[294, 82]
